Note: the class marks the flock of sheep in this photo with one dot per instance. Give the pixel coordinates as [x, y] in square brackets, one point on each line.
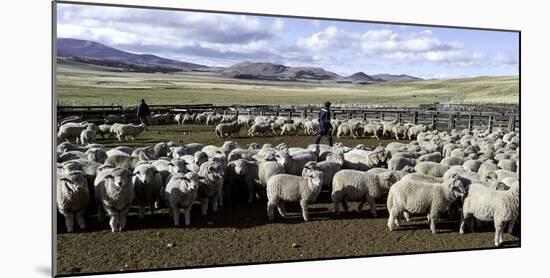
[472, 174]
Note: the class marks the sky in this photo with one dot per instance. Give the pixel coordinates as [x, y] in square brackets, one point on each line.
[215, 39]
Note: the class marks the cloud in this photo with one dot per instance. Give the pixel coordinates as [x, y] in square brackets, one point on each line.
[410, 47]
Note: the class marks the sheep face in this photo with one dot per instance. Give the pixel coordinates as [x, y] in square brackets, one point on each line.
[316, 178]
[192, 180]
[120, 178]
[178, 166]
[74, 181]
[146, 174]
[457, 187]
[200, 158]
[241, 167]
[283, 158]
[389, 178]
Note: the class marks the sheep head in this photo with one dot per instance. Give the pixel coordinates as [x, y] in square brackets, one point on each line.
[120, 178]
[177, 165]
[145, 173]
[74, 181]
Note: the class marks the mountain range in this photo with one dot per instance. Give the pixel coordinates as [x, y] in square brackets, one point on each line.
[86, 53]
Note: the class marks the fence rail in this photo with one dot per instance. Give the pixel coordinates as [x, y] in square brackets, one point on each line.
[444, 118]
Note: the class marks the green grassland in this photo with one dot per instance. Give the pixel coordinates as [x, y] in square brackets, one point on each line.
[79, 86]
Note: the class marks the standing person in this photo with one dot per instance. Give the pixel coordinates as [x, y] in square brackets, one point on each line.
[143, 112]
[325, 128]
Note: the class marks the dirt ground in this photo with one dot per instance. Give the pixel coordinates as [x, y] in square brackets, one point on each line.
[239, 233]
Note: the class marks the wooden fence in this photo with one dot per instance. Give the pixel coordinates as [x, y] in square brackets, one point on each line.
[440, 119]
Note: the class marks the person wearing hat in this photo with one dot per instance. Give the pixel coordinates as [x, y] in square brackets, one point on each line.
[143, 112]
[325, 128]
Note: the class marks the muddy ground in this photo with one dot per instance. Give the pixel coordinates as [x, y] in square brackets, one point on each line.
[239, 233]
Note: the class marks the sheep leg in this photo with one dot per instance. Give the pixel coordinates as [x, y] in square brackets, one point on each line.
[69, 222]
[122, 221]
[303, 204]
[431, 220]
[187, 214]
[80, 219]
[113, 223]
[176, 216]
[372, 205]
[270, 210]
[336, 205]
[345, 205]
[391, 221]
[204, 207]
[407, 216]
[361, 204]
[511, 225]
[499, 227]
[462, 224]
[215, 204]
[141, 210]
[281, 208]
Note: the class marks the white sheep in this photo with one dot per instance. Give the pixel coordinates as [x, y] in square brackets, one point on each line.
[431, 168]
[347, 129]
[288, 188]
[210, 188]
[294, 164]
[224, 130]
[398, 163]
[289, 129]
[487, 204]
[256, 174]
[129, 130]
[72, 196]
[353, 185]
[71, 130]
[420, 198]
[148, 183]
[329, 168]
[181, 191]
[122, 161]
[114, 192]
[260, 128]
[88, 135]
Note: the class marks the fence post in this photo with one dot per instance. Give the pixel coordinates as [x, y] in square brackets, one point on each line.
[451, 121]
[364, 116]
[470, 122]
[304, 113]
[249, 113]
[349, 115]
[237, 113]
[290, 114]
[490, 123]
[381, 116]
[415, 117]
[433, 120]
[398, 117]
[277, 112]
[511, 123]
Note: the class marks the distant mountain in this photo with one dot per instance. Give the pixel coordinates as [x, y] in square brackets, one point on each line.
[361, 76]
[270, 71]
[100, 53]
[395, 77]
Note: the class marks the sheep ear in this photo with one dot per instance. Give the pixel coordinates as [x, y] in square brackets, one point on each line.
[109, 177]
[65, 180]
[170, 164]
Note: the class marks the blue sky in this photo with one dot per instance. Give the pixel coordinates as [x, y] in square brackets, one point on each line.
[341, 47]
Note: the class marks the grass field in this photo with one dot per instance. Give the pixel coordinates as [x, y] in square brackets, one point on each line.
[77, 86]
[239, 233]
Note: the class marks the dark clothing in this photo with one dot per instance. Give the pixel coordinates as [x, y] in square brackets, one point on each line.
[143, 110]
[143, 113]
[324, 119]
[325, 128]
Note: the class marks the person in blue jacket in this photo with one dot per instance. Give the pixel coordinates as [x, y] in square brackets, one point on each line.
[143, 112]
[325, 128]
